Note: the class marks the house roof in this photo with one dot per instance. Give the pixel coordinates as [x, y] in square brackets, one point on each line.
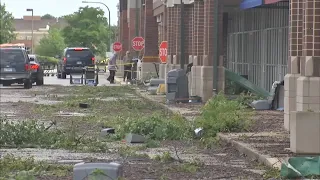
[26, 25]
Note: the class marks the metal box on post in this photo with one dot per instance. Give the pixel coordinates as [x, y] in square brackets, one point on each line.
[90, 76]
[177, 86]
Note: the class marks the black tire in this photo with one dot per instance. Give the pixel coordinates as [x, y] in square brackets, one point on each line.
[71, 81]
[39, 82]
[63, 75]
[6, 84]
[59, 75]
[27, 84]
[97, 80]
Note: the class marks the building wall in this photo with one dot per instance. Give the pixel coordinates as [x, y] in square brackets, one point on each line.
[26, 36]
[258, 43]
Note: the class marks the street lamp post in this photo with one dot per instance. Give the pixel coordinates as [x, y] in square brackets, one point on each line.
[94, 2]
[31, 10]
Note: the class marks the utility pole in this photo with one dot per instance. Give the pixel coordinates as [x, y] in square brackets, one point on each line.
[215, 39]
[32, 24]
[182, 53]
[137, 22]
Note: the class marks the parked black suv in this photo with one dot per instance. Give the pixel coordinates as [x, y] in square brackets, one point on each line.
[15, 67]
[74, 60]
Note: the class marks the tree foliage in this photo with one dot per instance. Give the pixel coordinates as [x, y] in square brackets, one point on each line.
[87, 28]
[6, 25]
[47, 16]
[46, 60]
[52, 44]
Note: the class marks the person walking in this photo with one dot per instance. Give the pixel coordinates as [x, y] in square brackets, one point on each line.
[112, 67]
[127, 64]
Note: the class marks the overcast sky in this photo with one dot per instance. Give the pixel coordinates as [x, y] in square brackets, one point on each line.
[56, 7]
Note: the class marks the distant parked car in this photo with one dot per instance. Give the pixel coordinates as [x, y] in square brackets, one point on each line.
[15, 67]
[37, 73]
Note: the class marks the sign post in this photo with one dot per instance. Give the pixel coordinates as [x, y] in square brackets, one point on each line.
[138, 43]
[117, 46]
[163, 52]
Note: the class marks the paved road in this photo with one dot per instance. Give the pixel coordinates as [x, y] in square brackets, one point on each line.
[53, 80]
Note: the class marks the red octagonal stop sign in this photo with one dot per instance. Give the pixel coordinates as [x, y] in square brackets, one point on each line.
[138, 43]
[163, 51]
[117, 46]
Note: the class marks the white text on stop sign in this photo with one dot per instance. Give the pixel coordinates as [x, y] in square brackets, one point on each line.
[163, 52]
[138, 43]
[117, 46]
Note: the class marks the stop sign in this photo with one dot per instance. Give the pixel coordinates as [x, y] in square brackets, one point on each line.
[138, 43]
[163, 51]
[117, 46]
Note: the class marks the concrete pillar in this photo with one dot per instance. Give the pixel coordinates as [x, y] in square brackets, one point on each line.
[124, 33]
[151, 41]
[198, 46]
[305, 120]
[295, 51]
[171, 31]
[132, 20]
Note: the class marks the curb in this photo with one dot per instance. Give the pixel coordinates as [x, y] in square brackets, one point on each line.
[251, 152]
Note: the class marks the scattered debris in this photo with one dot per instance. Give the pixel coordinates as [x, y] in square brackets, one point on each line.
[198, 132]
[107, 131]
[134, 138]
[83, 105]
[261, 105]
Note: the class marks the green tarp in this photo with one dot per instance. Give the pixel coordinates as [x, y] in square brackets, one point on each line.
[301, 167]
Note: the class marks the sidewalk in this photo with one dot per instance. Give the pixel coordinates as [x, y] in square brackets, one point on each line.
[267, 142]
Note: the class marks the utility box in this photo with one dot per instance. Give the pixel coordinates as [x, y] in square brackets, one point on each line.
[177, 86]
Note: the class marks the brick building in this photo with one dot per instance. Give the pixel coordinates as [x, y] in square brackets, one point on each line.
[253, 37]
[23, 29]
[265, 40]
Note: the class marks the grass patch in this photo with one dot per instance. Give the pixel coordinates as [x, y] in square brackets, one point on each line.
[17, 168]
[88, 91]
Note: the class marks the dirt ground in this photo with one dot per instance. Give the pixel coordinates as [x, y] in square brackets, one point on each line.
[266, 134]
[42, 104]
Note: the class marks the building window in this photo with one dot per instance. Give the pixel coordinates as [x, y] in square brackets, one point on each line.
[28, 37]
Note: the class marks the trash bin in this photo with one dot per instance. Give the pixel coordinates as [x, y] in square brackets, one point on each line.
[177, 86]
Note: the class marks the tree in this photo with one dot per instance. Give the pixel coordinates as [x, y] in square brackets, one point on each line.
[113, 31]
[87, 28]
[6, 25]
[47, 16]
[52, 44]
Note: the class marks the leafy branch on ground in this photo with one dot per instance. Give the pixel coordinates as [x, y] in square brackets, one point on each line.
[31, 133]
[18, 168]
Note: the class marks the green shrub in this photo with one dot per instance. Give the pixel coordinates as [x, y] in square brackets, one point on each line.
[156, 127]
[47, 60]
[223, 115]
